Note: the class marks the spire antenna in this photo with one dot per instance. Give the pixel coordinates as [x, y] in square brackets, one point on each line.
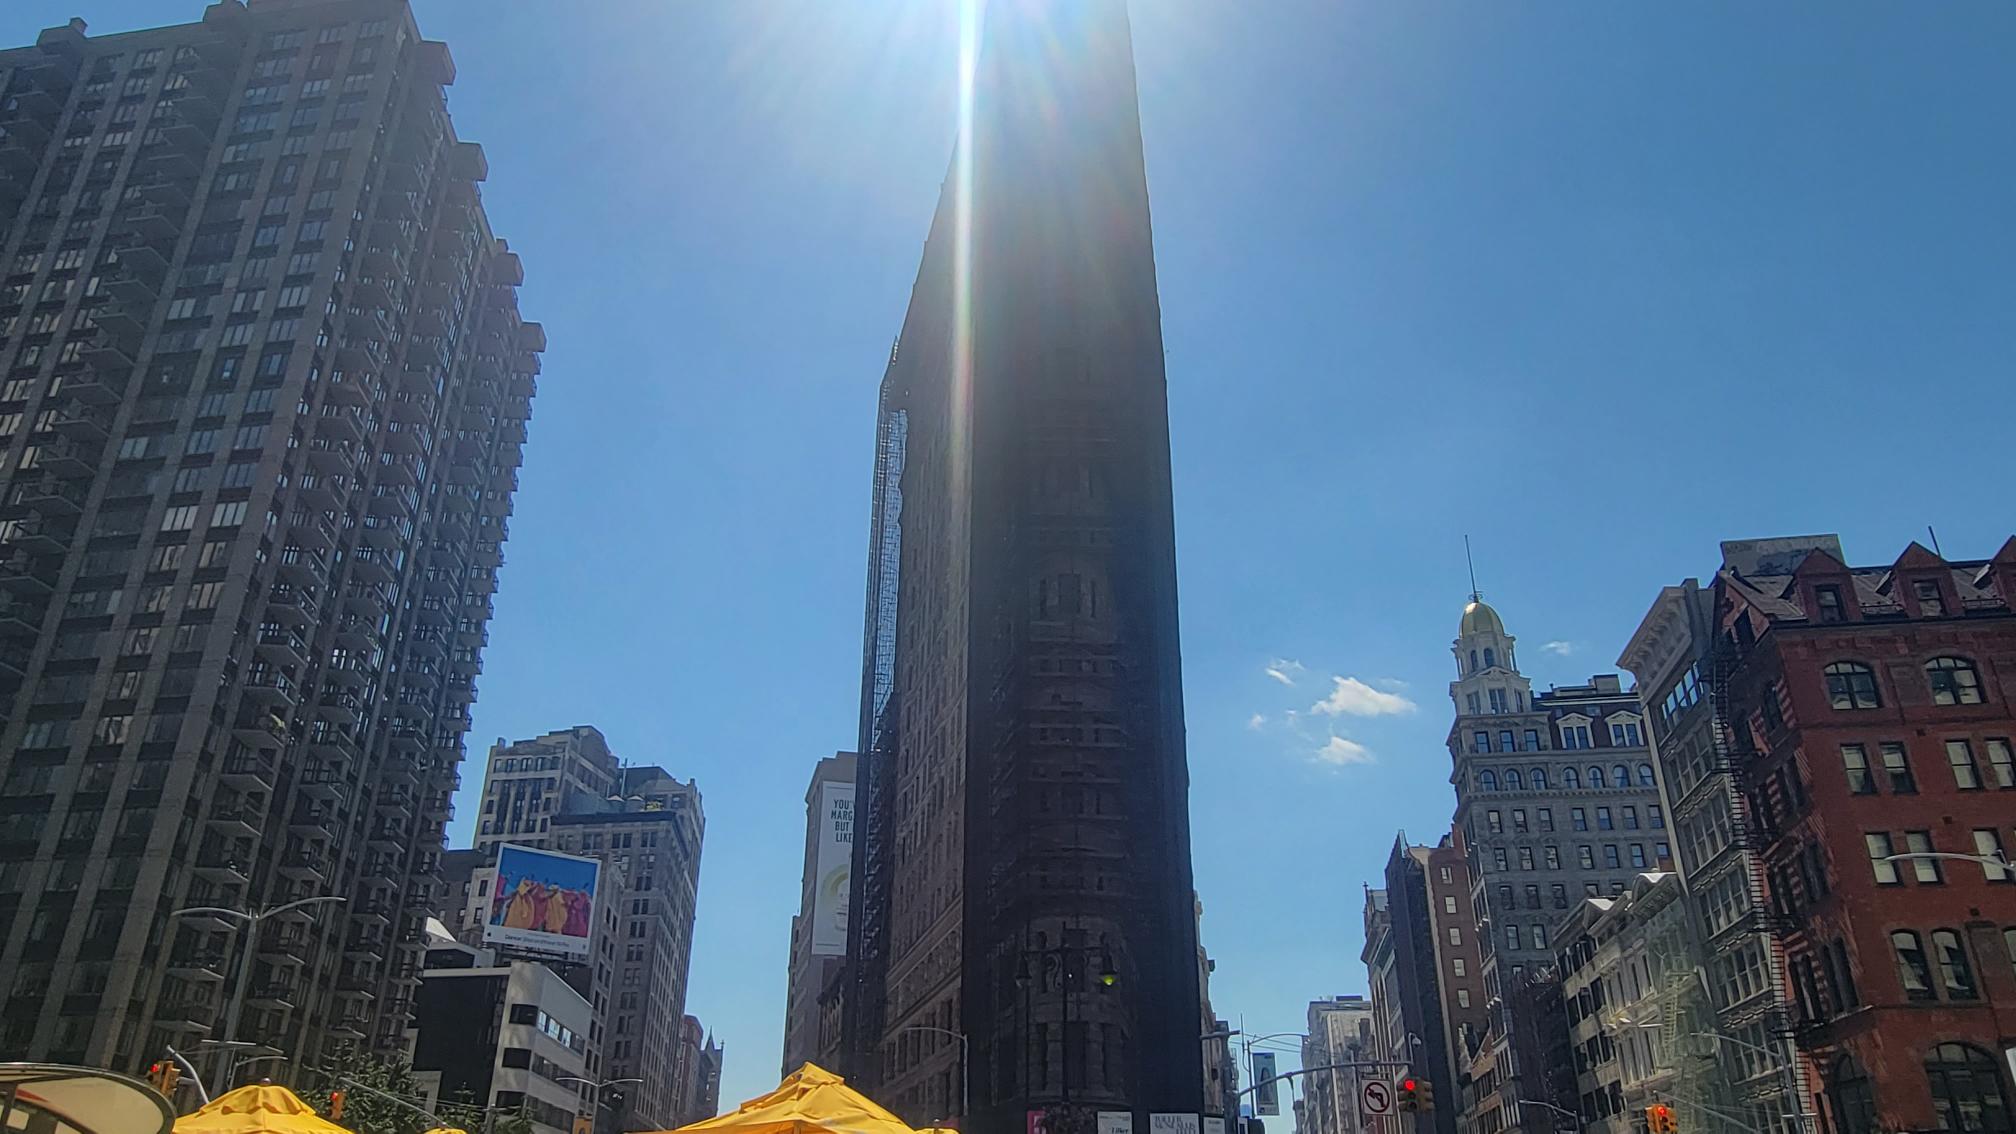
[1475, 594]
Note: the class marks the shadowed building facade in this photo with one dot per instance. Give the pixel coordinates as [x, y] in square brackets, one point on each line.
[1022, 872]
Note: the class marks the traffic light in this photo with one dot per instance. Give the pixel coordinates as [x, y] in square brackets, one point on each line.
[1424, 1095]
[1660, 1119]
[1409, 1094]
[164, 1075]
[335, 1106]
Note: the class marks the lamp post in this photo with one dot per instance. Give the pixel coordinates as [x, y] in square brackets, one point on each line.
[597, 1084]
[965, 1067]
[1571, 1115]
[236, 1009]
[1777, 1062]
[1987, 861]
[1067, 963]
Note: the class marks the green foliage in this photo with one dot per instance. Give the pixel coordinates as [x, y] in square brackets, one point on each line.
[361, 1075]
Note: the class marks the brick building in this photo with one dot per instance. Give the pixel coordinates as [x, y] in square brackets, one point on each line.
[1873, 711]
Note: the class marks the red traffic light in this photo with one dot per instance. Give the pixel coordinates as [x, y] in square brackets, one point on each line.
[1406, 1084]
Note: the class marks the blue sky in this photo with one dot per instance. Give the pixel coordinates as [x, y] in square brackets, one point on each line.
[1598, 286]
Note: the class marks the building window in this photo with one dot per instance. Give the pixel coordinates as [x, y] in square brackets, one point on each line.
[1646, 777]
[1657, 817]
[1988, 844]
[1552, 857]
[1854, 1097]
[1828, 599]
[1455, 936]
[1954, 971]
[1487, 780]
[1570, 778]
[1852, 685]
[1512, 937]
[1960, 755]
[1603, 822]
[1533, 743]
[1494, 822]
[1463, 998]
[1931, 604]
[1481, 742]
[1897, 765]
[1578, 818]
[1546, 817]
[2002, 767]
[1559, 893]
[1954, 681]
[1497, 699]
[1913, 970]
[1456, 966]
[1610, 857]
[1513, 780]
[1585, 855]
[1448, 904]
[1926, 870]
[1879, 854]
[1595, 776]
[1855, 762]
[1966, 1090]
[1507, 744]
[1498, 858]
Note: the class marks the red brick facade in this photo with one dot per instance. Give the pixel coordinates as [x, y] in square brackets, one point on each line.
[1880, 712]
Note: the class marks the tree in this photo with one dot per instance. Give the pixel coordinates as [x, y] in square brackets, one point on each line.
[365, 1111]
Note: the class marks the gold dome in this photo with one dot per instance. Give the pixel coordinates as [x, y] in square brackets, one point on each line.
[1479, 618]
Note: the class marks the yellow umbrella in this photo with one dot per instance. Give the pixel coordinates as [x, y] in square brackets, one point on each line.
[812, 1101]
[258, 1109]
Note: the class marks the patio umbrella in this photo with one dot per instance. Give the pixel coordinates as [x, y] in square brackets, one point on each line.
[812, 1100]
[258, 1109]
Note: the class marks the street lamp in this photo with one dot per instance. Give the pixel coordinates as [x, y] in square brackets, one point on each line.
[1571, 1115]
[1776, 1060]
[1987, 861]
[251, 922]
[964, 1065]
[597, 1084]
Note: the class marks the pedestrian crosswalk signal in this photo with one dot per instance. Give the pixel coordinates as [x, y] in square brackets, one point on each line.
[1660, 1119]
[1409, 1094]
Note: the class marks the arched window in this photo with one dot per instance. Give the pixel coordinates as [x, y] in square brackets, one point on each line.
[1966, 1090]
[1487, 780]
[1852, 685]
[1854, 1097]
[1513, 780]
[1954, 971]
[1595, 776]
[1645, 777]
[1570, 778]
[1954, 681]
[1490, 657]
[1620, 776]
[1473, 661]
[1538, 779]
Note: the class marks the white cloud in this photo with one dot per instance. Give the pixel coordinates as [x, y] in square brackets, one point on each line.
[1340, 752]
[1355, 698]
[1392, 683]
[1257, 721]
[1559, 649]
[1284, 670]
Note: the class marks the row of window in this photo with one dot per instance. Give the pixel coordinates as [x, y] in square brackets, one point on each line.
[1883, 860]
[1624, 734]
[1512, 779]
[1578, 819]
[1960, 760]
[1585, 856]
[1949, 680]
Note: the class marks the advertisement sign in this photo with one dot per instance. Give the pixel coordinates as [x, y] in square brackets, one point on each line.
[1172, 1124]
[1266, 1092]
[1039, 1122]
[834, 866]
[1213, 1124]
[543, 901]
[1116, 1122]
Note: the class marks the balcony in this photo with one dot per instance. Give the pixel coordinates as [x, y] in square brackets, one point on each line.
[350, 671]
[338, 424]
[20, 619]
[63, 457]
[28, 575]
[320, 824]
[290, 603]
[102, 381]
[273, 688]
[81, 422]
[303, 865]
[325, 492]
[200, 966]
[236, 822]
[324, 783]
[34, 535]
[51, 496]
[287, 947]
[248, 772]
[311, 530]
[273, 995]
[222, 867]
[343, 708]
[284, 645]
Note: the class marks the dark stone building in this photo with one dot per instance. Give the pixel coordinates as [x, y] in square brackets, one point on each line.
[1022, 871]
[263, 387]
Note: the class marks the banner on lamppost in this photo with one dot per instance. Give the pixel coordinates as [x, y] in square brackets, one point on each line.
[1266, 1093]
[833, 867]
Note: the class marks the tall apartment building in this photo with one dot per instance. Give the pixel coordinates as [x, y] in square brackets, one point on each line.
[1022, 869]
[527, 782]
[263, 385]
[1556, 799]
[650, 839]
[507, 1033]
[1340, 1031]
[697, 1069]
[818, 950]
[1872, 713]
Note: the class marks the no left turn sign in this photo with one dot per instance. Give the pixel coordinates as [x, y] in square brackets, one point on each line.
[1375, 1098]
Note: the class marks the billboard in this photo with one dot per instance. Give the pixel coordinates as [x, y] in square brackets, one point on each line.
[833, 866]
[543, 901]
[1266, 1093]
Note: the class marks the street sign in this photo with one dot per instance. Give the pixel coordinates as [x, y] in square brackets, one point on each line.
[1375, 1098]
